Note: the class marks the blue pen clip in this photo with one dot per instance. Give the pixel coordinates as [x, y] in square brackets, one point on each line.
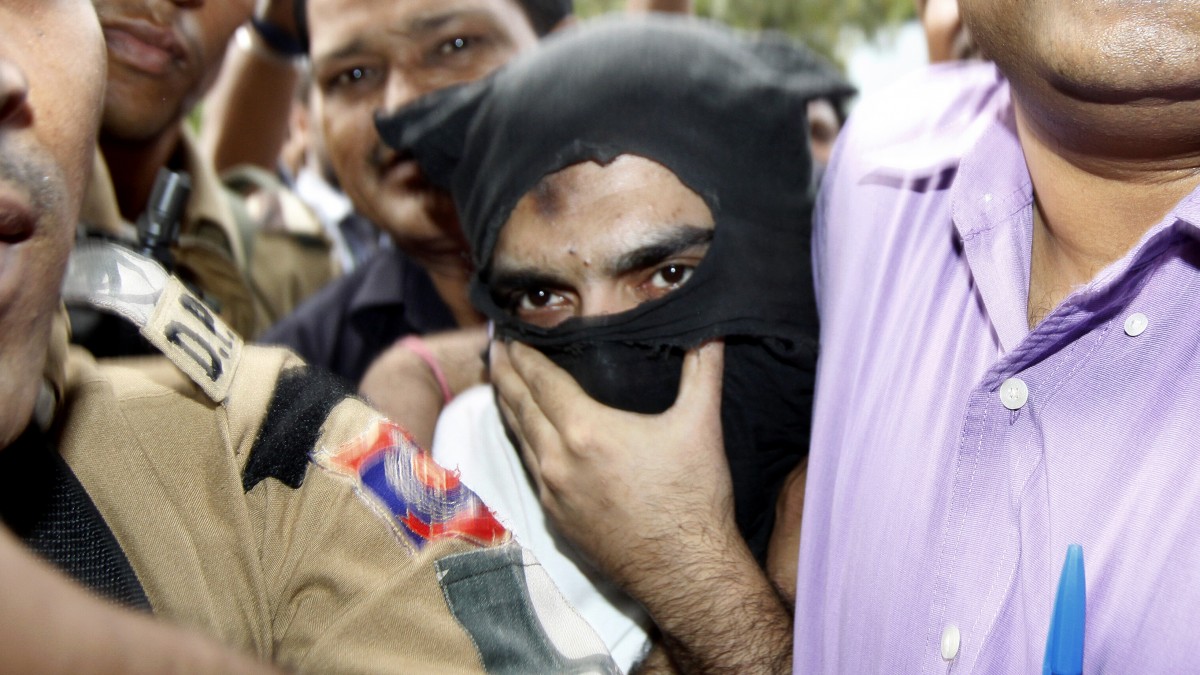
[1064, 644]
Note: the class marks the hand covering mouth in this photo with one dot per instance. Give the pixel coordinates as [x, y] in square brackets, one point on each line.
[728, 117]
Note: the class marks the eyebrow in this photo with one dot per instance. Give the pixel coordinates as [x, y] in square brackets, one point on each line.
[415, 27]
[507, 281]
[428, 23]
[672, 242]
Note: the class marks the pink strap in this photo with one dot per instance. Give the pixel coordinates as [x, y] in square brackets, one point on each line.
[416, 345]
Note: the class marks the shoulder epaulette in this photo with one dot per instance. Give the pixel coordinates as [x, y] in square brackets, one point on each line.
[115, 279]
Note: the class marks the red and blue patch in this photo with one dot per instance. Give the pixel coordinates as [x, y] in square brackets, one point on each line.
[422, 501]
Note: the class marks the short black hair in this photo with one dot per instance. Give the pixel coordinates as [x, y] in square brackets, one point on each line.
[543, 15]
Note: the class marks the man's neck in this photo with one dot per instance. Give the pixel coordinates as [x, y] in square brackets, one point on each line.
[450, 270]
[1090, 209]
[134, 165]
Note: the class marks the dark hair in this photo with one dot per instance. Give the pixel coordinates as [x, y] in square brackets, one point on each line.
[543, 15]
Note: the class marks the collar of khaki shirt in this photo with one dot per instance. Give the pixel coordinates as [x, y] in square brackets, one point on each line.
[207, 203]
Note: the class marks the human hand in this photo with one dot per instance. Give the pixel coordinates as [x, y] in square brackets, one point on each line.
[631, 491]
[648, 499]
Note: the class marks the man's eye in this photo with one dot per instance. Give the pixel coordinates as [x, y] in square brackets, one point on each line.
[671, 276]
[455, 45]
[538, 299]
[349, 77]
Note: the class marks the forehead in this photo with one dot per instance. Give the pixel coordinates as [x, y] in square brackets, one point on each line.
[589, 211]
[335, 23]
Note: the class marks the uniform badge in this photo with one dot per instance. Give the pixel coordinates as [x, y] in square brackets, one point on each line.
[420, 499]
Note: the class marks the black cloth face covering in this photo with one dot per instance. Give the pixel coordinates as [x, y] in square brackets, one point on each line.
[728, 116]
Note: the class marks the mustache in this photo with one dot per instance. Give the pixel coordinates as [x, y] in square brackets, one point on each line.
[33, 173]
[383, 156]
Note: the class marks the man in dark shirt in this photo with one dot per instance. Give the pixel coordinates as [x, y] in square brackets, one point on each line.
[350, 322]
[359, 69]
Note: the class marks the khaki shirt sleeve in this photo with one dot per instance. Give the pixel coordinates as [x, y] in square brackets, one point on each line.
[349, 594]
[340, 549]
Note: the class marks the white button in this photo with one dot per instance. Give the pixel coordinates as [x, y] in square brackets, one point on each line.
[1014, 393]
[950, 641]
[1136, 324]
[987, 197]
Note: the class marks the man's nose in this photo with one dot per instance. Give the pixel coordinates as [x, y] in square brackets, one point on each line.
[399, 91]
[601, 302]
[14, 91]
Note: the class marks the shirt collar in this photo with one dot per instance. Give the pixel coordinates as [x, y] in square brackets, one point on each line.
[207, 203]
[992, 209]
[209, 200]
[395, 285]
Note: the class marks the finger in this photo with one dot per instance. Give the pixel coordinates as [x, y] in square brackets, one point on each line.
[700, 384]
[525, 417]
[553, 390]
[528, 457]
[505, 379]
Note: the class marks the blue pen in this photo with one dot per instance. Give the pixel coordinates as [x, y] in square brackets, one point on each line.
[1064, 644]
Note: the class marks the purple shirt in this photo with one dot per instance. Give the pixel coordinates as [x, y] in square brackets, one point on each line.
[940, 502]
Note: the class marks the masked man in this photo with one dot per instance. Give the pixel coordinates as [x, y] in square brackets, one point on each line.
[614, 237]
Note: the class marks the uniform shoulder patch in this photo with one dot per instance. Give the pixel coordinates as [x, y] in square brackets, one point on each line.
[302, 401]
[195, 340]
[112, 278]
[420, 500]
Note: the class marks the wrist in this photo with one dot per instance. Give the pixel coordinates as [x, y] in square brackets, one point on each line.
[278, 35]
[703, 623]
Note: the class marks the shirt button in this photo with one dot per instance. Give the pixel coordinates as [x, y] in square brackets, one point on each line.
[1136, 324]
[950, 641]
[1014, 393]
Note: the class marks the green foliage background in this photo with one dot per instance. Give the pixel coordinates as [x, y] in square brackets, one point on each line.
[817, 22]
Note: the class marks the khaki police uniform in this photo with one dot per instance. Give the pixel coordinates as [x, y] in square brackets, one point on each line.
[290, 257]
[256, 272]
[258, 502]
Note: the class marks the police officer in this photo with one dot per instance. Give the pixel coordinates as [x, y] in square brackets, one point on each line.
[162, 57]
[227, 488]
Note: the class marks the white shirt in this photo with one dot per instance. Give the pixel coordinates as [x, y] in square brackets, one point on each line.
[470, 439]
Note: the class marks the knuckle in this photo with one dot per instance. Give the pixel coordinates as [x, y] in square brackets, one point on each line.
[579, 438]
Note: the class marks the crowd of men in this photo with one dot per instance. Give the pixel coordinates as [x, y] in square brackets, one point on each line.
[709, 398]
